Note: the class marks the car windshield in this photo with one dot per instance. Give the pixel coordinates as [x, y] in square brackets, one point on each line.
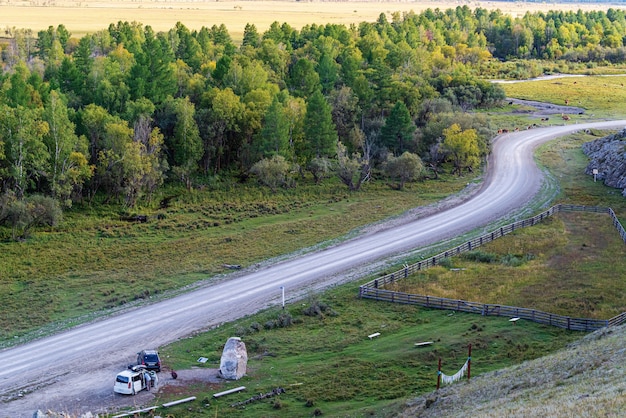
[151, 357]
[121, 379]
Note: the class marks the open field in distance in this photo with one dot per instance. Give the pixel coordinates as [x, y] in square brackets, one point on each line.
[87, 16]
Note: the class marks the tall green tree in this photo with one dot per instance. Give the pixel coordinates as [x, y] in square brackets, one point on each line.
[152, 75]
[110, 169]
[320, 133]
[78, 83]
[188, 48]
[275, 57]
[328, 71]
[346, 114]
[22, 88]
[94, 119]
[143, 169]
[185, 142]
[397, 133]
[222, 120]
[22, 130]
[251, 36]
[273, 139]
[68, 153]
[146, 165]
[109, 77]
[303, 80]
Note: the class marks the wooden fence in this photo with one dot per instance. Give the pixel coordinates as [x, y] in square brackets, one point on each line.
[374, 288]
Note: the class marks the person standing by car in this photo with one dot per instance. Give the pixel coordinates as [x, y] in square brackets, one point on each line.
[148, 380]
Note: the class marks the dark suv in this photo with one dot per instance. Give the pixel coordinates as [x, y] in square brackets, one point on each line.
[150, 359]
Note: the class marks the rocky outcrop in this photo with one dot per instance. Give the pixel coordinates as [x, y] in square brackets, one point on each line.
[234, 359]
[608, 156]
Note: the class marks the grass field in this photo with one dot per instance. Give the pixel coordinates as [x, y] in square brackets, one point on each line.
[601, 96]
[88, 16]
[94, 261]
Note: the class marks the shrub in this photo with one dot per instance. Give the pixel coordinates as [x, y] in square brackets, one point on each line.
[272, 172]
[445, 262]
[479, 256]
[511, 260]
[24, 214]
[284, 320]
[319, 309]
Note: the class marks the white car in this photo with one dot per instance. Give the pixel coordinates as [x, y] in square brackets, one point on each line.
[134, 379]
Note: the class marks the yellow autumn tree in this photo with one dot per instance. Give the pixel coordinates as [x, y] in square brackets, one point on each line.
[461, 147]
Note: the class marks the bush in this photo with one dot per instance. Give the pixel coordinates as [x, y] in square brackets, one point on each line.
[24, 214]
[513, 260]
[272, 172]
[319, 309]
[285, 320]
[479, 256]
[445, 262]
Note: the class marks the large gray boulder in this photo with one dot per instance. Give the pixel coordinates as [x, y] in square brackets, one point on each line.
[234, 359]
[608, 156]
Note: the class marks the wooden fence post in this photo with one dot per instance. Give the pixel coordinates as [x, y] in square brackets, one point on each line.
[439, 374]
[469, 361]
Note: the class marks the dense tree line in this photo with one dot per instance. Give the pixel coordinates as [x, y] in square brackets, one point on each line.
[121, 111]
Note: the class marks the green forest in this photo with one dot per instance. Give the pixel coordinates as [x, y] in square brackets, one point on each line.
[121, 113]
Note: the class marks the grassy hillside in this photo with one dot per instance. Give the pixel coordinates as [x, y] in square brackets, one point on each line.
[588, 378]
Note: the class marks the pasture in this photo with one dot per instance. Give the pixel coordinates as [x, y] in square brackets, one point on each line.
[81, 17]
[600, 96]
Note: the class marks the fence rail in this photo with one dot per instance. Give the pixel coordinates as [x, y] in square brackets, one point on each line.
[374, 288]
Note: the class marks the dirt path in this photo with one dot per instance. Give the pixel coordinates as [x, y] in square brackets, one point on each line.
[542, 109]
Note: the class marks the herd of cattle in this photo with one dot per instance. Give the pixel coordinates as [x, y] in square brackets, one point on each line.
[534, 125]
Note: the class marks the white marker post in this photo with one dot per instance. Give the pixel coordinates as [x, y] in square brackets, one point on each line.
[595, 174]
[282, 288]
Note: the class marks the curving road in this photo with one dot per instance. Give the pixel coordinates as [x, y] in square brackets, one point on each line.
[48, 373]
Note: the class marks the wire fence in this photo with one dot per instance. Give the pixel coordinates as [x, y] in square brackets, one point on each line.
[374, 289]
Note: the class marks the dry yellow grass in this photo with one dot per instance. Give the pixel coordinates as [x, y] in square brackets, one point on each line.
[87, 16]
